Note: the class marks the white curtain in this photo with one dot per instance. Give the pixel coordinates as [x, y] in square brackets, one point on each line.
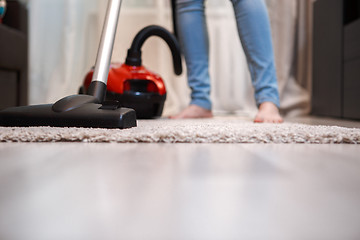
[291, 27]
[65, 36]
[63, 39]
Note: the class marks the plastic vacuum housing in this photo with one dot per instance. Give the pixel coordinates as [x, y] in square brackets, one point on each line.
[132, 85]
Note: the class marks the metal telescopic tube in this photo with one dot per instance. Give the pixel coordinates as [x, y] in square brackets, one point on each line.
[103, 59]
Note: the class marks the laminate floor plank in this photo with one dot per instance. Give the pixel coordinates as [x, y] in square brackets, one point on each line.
[179, 191]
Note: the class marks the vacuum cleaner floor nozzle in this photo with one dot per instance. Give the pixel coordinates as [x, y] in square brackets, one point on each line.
[88, 114]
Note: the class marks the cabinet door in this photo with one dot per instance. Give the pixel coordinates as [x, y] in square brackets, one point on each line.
[8, 89]
[352, 70]
[327, 58]
[352, 89]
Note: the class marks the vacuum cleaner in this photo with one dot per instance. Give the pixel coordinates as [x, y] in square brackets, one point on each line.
[82, 110]
[131, 84]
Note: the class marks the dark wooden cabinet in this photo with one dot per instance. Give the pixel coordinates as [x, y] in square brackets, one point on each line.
[336, 59]
[9, 88]
[14, 56]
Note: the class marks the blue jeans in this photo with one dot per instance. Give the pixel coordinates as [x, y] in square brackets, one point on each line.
[255, 35]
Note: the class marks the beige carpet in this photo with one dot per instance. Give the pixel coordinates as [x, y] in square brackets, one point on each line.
[216, 130]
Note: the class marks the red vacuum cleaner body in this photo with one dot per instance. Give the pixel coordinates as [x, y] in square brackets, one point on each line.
[132, 85]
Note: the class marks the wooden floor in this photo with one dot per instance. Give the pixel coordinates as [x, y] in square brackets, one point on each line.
[180, 191]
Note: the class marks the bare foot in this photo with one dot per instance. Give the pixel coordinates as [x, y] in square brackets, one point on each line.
[268, 113]
[193, 111]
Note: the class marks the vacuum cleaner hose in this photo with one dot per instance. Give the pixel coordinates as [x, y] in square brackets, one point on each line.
[174, 17]
[133, 57]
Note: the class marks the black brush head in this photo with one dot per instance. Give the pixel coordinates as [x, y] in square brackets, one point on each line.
[86, 114]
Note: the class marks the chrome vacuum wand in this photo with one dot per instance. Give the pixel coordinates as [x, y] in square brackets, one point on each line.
[97, 87]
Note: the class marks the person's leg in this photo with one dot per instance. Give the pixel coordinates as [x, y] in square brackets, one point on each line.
[255, 35]
[193, 36]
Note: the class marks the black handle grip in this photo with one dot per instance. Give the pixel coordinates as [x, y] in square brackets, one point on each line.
[133, 57]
